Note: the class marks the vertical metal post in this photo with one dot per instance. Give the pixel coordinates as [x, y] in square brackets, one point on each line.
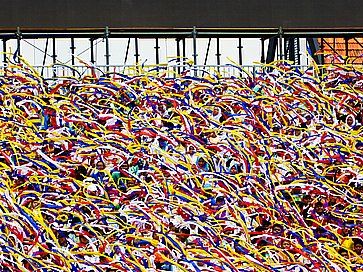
[281, 57]
[346, 40]
[240, 51]
[322, 50]
[72, 54]
[262, 50]
[137, 53]
[92, 51]
[107, 34]
[127, 53]
[306, 46]
[184, 52]
[18, 38]
[334, 46]
[45, 56]
[157, 47]
[194, 34]
[218, 55]
[137, 50]
[4, 49]
[178, 54]
[54, 57]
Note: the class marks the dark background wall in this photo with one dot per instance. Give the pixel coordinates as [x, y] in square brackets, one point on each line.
[181, 13]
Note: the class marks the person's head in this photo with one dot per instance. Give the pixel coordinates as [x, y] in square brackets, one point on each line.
[201, 163]
[346, 231]
[277, 229]
[356, 230]
[83, 239]
[62, 240]
[318, 126]
[190, 149]
[228, 230]
[261, 243]
[344, 253]
[332, 200]
[81, 172]
[359, 145]
[216, 111]
[306, 199]
[319, 208]
[219, 200]
[328, 120]
[234, 169]
[350, 120]
[100, 165]
[358, 245]
[285, 244]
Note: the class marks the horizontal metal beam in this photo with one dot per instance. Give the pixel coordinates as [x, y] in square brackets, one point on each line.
[323, 33]
[180, 33]
[38, 14]
[59, 70]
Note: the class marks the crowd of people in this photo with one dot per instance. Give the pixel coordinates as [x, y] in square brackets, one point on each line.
[150, 173]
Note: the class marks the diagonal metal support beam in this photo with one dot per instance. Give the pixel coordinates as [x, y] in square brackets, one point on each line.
[314, 47]
[18, 39]
[45, 56]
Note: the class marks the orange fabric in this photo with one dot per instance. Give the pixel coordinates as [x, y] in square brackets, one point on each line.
[355, 50]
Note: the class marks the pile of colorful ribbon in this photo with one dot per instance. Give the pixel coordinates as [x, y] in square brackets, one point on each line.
[150, 173]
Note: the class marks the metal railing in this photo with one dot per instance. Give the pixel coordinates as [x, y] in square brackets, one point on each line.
[170, 71]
